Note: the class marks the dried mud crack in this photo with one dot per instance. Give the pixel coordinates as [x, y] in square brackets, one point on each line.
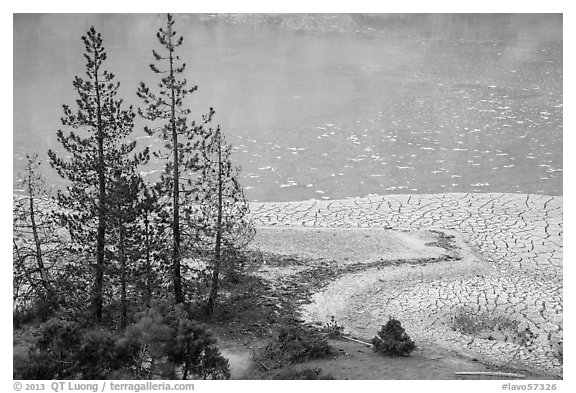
[506, 279]
[300, 286]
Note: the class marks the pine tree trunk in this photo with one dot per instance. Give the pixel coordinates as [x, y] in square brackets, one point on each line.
[177, 278]
[148, 289]
[218, 244]
[123, 304]
[98, 293]
[21, 260]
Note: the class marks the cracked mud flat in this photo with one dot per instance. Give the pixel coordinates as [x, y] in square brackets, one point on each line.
[508, 267]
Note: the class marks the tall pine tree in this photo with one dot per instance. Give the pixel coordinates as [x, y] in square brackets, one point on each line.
[222, 213]
[97, 153]
[182, 139]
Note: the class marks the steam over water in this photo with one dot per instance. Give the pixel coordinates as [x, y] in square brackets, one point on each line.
[331, 106]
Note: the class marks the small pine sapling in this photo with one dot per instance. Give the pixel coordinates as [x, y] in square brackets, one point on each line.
[392, 340]
[332, 329]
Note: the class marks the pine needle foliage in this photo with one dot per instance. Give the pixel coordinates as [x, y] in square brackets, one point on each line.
[165, 109]
[393, 340]
[98, 150]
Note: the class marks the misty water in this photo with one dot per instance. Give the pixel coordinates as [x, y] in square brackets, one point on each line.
[330, 108]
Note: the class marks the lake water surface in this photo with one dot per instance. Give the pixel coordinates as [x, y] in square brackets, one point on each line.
[384, 105]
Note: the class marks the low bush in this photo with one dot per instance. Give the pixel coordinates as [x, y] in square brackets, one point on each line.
[96, 355]
[392, 340]
[164, 343]
[486, 325]
[168, 344]
[53, 356]
[35, 365]
[20, 362]
[295, 344]
[332, 329]
[65, 350]
[38, 310]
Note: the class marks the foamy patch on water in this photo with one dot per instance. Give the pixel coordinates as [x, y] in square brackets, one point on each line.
[147, 173]
[289, 183]
[268, 167]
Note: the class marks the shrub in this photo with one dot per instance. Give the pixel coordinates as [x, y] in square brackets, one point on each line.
[194, 348]
[332, 329]
[212, 365]
[66, 351]
[38, 309]
[20, 363]
[392, 340]
[52, 356]
[164, 343]
[486, 325]
[167, 344]
[96, 356]
[295, 344]
[36, 365]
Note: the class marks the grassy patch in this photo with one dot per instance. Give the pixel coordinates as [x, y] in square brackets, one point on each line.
[486, 325]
